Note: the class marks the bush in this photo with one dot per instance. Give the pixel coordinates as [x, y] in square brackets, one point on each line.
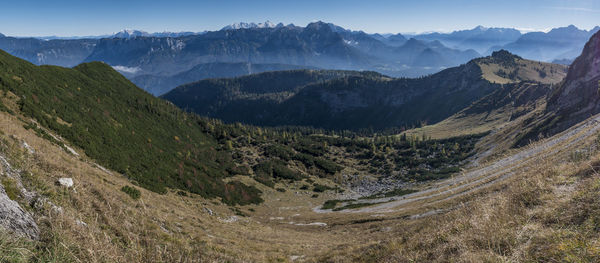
[282, 152]
[327, 166]
[276, 169]
[330, 204]
[319, 188]
[132, 192]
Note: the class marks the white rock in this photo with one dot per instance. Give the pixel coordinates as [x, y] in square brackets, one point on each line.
[80, 223]
[28, 147]
[210, 212]
[312, 224]
[66, 182]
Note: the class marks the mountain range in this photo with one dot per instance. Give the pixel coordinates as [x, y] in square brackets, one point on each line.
[155, 61]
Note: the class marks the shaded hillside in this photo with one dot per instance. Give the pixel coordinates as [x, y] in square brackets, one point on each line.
[250, 95]
[575, 99]
[360, 101]
[500, 108]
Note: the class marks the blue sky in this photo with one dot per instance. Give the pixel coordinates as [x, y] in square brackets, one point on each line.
[87, 17]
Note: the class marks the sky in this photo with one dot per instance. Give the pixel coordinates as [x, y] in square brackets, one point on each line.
[89, 17]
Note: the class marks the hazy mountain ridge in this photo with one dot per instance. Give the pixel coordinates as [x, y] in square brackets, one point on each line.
[479, 38]
[66, 53]
[558, 43]
[160, 57]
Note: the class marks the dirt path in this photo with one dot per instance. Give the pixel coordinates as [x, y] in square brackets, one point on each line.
[482, 177]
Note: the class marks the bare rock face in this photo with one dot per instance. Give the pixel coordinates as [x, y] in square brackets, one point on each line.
[578, 98]
[15, 219]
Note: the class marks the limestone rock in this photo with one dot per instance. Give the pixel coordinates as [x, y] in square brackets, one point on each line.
[15, 219]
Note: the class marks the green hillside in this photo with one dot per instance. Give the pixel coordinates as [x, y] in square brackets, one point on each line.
[124, 128]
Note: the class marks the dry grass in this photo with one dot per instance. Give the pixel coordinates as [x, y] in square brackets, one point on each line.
[526, 70]
[549, 213]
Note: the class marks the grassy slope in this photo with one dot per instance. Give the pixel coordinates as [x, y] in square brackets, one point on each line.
[525, 85]
[549, 213]
[521, 70]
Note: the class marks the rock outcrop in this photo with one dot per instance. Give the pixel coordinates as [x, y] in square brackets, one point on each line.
[575, 99]
[15, 219]
[12, 217]
[578, 97]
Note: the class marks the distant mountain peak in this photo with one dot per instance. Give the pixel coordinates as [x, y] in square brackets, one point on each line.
[2, 35]
[413, 42]
[567, 29]
[504, 55]
[130, 33]
[317, 24]
[244, 25]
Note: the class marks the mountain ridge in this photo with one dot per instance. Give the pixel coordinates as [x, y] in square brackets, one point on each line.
[359, 101]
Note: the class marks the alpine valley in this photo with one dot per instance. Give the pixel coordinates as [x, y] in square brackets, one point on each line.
[265, 142]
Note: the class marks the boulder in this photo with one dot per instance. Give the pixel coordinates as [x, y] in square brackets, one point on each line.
[66, 182]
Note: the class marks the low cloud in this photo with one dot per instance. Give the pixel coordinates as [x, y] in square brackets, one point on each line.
[130, 70]
[580, 9]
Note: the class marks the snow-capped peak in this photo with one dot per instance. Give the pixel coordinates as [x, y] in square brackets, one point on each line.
[481, 28]
[244, 25]
[131, 33]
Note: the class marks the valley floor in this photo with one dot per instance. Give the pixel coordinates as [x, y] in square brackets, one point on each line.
[538, 203]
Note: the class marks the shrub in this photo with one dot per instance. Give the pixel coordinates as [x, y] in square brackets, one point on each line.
[132, 192]
[319, 188]
[11, 188]
[330, 204]
[279, 151]
[277, 169]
